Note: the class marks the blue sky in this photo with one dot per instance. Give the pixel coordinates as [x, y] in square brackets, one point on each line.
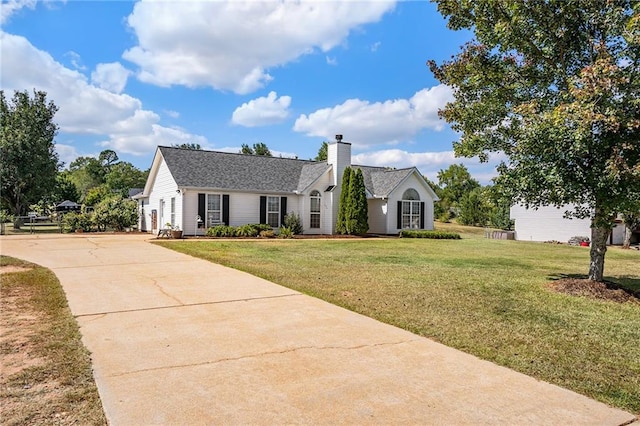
[130, 76]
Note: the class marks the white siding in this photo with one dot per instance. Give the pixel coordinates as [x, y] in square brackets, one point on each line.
[326, 210]
[547, 223]
[163, 188]
[617, 234]
[377, 215]
[244, 208]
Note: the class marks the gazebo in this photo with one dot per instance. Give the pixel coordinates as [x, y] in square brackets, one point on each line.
[68, 206]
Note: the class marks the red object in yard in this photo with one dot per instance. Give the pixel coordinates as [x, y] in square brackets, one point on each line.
[584, 243]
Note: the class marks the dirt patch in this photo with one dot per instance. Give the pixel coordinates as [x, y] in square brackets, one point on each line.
[596, 290]
[5, 269]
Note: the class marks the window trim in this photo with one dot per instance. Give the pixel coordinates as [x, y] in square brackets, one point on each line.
[276, 201]
[314, 216]
[211, 223]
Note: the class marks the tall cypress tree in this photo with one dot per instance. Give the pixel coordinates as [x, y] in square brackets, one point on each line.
[341, 227]
[360, 210]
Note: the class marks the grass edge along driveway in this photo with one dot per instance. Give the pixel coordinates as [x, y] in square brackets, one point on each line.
[489, 298]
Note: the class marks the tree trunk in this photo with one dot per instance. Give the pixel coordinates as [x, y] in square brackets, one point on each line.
[599, 236]
[627, 236]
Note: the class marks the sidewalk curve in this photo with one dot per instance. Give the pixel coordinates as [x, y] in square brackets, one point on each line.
[178, 340]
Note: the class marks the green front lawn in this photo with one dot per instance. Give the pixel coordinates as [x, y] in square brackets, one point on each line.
[486, 297]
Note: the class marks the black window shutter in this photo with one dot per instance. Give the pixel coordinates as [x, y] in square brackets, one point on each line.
[399, 216]
[283, 209]
[263, 209]
[201, 210]
[225, 209]
[422, 215]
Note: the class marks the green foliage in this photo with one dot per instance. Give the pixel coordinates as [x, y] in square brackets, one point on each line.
[86, 173]
[5, 216]
[96, 195]
[77, 221]
[247, 231]
[261, 227]
[435, 235]
[257, 149]
[474, 210]
[29, 161]
[124, 176]
[353, 216]
[221, 231]
[285, 233]
[554, 86]
[344, 204]
[65, 189]
[115, 212]
[194, 146]
[106, 172]
[323, 152]
[455, 183]
[292, 222]
[358, 215]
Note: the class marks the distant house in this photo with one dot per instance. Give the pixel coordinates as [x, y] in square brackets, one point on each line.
[198, 189]
[547, 223]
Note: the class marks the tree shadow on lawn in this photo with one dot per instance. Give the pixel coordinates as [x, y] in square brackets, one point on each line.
[624, 289]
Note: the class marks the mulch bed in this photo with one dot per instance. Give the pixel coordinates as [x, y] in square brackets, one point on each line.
[596, 290]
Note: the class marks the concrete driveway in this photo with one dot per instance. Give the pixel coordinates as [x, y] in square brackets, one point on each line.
[177, 340]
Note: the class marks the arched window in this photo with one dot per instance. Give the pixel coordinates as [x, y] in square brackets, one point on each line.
[411, 194]
[314, 210]
[411, 214]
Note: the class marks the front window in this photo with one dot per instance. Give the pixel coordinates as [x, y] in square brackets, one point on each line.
[314, 220]
[411, 209]
[273, 211]
[214, 210]
[173, 212]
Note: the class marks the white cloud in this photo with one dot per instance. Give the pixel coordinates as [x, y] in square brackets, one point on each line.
[10, 7]
[112, 77]
[171, 113]
[375, 46]
[402, 159]
[83, 107]
[429, 163]
[389, 122]
[332, 61]
[231, 45]
[76, 60]
[66, 153]
[262, 111]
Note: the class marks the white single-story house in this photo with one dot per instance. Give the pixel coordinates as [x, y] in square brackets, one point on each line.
[547, 223]
[198, 189]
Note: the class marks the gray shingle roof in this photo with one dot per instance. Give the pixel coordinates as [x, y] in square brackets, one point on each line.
[255, 173]
[380, 181]
[238, 172]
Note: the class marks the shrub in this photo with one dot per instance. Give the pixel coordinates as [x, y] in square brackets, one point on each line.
[285, 233]
[246, 231]
[267, 234]
[71, 222]
[436, 235]
[293, 223]
[221, 231]
[116, 212]
[259, 227]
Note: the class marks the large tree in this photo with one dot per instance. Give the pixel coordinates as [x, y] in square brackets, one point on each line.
[29, 161]
[553, 85]
[455, 183]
